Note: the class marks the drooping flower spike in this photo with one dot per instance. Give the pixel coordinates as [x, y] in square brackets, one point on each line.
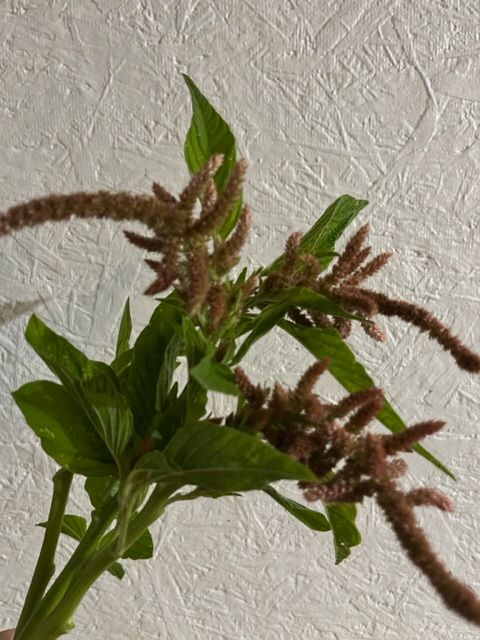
[356, 463]
[343, 284]
[180, 237]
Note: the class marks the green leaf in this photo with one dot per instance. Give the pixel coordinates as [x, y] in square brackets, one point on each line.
[260, 326]
[345, 533]
[125, 331]
[351, 374]
[122, 362]
[57, 352]
[151, 359]
[212, 456]
[91, 385]
[116, 570]
[72, 526]
[189, 406]
[110, 414]
[100, 490]
[215, 376]
[167, 370]
[75, 527]
[311, 518]
[308, 299]
[208, 135]
[200, 492]
[67, 362]
[77, 372]
[65, 433]
[231, 220]
[142, 548]
[196, 344]
[277, 307]
[321, 238]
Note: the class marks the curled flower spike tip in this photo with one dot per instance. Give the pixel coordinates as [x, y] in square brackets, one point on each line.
[353, 464]
[181, 240]
[102, 204]
[399, 513]
[344, 285]
[427, 322]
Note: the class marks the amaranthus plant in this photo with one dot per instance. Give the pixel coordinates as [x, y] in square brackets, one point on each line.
[143, 440]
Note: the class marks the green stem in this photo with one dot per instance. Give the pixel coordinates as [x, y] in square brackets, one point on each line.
[58, 621]
[101, 520]
[45, 567]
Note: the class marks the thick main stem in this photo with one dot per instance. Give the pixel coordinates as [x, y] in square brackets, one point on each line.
[45, 567]
[58, 620]
[101, 520]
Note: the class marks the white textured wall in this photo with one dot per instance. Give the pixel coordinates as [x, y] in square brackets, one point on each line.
[376, 98]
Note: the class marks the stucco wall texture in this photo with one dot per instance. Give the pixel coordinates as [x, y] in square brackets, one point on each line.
[379, 99]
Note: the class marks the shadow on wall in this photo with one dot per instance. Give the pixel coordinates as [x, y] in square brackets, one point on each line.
[10, 311]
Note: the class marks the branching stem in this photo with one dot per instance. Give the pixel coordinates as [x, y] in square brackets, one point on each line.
[45, 567]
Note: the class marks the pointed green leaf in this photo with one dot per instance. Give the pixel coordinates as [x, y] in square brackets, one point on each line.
[307, 299]
[321, 238]
[189, 406]
[65, 433]
[167, 370]
[278, 306]
[260, 326]
[200, 492]
[65, 360]
[100, 490]
[142, 548]
[125, 331]
[110, 413]
[151, 355]
[196, 344]
[116, 570]
[311, 518]
[68, 363]
[121, 363]
[350, 373]
[212, 456]
[345, 533]
[215, 376]
[72, 526]
[91, 385]
[208, 135]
